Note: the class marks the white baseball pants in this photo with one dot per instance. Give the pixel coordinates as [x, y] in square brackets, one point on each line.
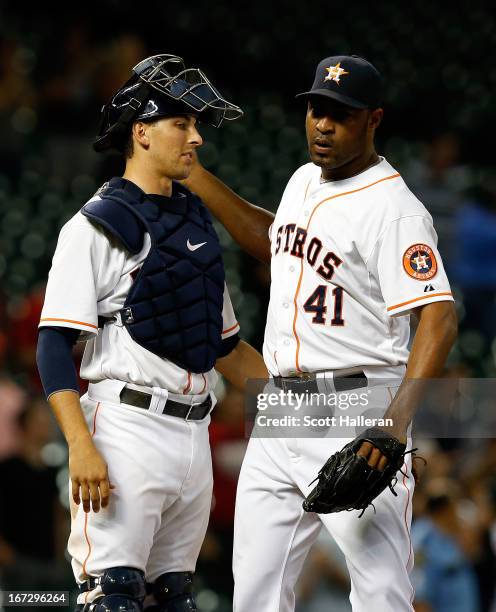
[158, 513]
[273, 534]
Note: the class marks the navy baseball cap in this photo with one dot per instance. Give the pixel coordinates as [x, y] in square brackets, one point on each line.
[349, 79]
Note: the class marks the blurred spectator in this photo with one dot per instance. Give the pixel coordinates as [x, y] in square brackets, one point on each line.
[3, 331]
[485, 564]
[33, 524]
[475, 240]
[119, 55]
[479, 483]
[439, 181]
[12, 398]
[228, 443]
[16, 86]
[443, 576]
[23, 336]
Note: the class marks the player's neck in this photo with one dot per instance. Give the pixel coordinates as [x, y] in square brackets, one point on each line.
[147, 181]
[354, 167]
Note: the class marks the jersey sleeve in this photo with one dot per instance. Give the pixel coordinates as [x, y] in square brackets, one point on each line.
[71, 294]
[230, 325]
[409, 267]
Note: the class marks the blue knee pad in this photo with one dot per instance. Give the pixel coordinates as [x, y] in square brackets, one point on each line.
[173, 592]
[123, 588]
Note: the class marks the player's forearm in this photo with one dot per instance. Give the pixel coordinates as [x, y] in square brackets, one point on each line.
[436, 334]
[67, 410]
[242, 363]
[248, 224]
[87, 467]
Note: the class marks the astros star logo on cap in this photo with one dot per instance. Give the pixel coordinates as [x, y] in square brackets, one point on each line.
[335, 72]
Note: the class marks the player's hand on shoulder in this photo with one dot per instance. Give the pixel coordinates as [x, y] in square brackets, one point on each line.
[89, 476]
[196, 169]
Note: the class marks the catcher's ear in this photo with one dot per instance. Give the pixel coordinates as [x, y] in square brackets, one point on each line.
[141, 133]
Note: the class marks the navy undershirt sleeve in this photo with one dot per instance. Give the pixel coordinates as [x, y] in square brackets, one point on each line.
[228, 345]
[54, 359]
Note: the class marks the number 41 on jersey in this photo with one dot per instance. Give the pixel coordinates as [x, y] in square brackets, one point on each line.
[316, 303]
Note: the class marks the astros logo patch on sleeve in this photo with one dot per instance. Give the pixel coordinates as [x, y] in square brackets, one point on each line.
[420, 262]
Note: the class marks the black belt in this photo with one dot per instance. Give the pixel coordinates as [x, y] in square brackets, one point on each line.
[307, 382]
[195, 412]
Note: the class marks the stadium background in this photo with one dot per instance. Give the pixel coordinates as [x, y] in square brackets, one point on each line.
[57, 69]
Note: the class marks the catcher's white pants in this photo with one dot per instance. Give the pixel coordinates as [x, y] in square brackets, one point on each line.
[158, 513]
[273, 534]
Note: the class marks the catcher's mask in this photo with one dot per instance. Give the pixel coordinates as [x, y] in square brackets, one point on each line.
[161, 86]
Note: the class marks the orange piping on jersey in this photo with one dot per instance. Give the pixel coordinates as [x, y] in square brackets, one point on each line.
[86, 513]
[406, 517]
[306, 191]
[338, 195]
[422, 297]
[225, 331]
[204, 384]
[296, 295]
[87, 542]
[94, 419]
[297, 357]
[188, 384]
[70, 321]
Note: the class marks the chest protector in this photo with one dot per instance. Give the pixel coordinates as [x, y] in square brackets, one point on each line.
[174, 307]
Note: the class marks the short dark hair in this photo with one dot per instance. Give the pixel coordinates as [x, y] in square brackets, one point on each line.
[128, 149]
[439, 502]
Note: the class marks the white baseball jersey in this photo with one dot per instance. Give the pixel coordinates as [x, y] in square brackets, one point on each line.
[91, 276]
[351, 259]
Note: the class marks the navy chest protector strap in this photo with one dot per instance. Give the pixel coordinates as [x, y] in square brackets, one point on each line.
[174, 307]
